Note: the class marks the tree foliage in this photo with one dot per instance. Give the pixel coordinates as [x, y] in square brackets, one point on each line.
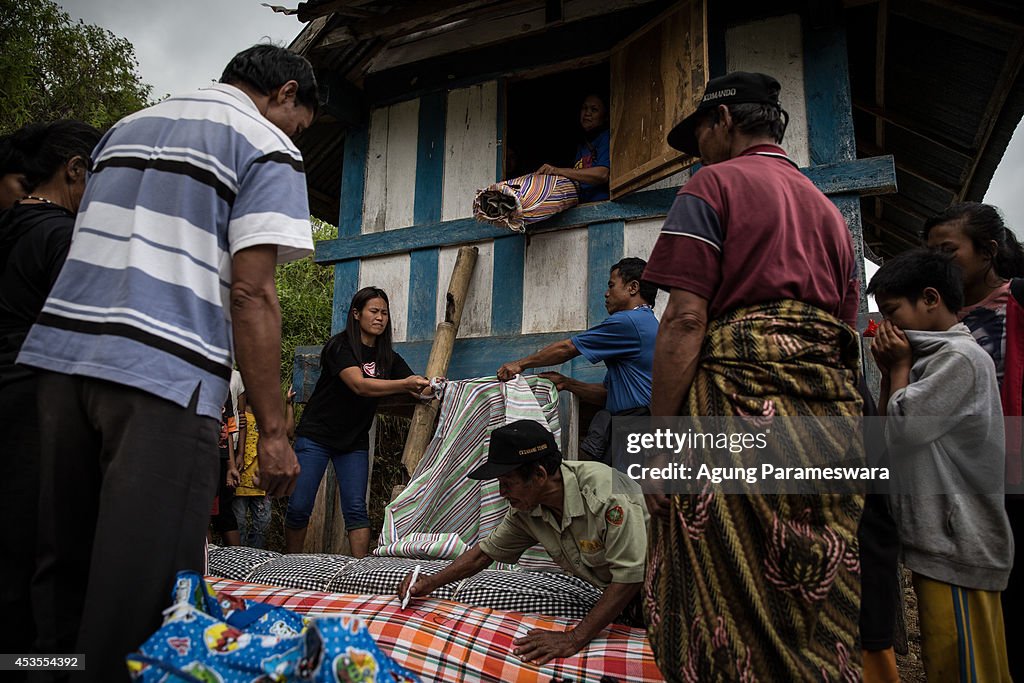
[306, 290]
[53, 68]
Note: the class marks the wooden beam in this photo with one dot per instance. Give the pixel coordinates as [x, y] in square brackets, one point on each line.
[881, 32]
[1010, 20]
[337, 37]
[870, 150]
[904, 123]
[881, 36]
[861, 176]
[958, 19]
[889, 234]
[472, 357]
[1004, 85]
[419, 16]
[343, 7]
[323, 197]
[308, 35]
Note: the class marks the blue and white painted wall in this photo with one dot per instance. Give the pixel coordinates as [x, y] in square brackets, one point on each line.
[411, 174]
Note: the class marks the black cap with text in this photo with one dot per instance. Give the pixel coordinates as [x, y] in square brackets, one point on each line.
[515, 444]
[739, 87]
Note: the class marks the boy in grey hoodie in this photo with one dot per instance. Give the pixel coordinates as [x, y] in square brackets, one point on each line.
[944, 422]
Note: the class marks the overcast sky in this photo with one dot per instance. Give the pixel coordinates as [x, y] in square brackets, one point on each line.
[184, 44]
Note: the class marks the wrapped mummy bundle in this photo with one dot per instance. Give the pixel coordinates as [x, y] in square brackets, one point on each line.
[517, 202]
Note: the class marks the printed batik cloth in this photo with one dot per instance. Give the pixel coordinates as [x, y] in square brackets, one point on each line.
[442, 513]
[767, 588]
[225, 638]
[517, 202]
[446, 641]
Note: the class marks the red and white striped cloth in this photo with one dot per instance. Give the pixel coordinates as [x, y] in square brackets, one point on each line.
[447, 641]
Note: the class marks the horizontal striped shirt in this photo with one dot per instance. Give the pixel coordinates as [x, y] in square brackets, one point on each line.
[176, 190]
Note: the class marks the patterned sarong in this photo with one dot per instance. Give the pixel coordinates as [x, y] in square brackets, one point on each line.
[763, 588]
[517, 202]
[442, 514]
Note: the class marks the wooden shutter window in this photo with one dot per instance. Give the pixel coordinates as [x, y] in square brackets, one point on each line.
[657, 78]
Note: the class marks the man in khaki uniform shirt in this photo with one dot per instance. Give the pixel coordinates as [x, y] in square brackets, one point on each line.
[589, 517]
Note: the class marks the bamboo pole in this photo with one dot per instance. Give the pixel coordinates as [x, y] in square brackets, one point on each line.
[422, 428]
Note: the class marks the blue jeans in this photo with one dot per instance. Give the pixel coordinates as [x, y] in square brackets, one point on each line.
[351, 470]
[252, 534]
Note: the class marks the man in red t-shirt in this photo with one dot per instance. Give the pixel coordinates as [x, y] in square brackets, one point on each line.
[761, 275]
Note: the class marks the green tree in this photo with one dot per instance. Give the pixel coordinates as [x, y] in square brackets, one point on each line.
[306, 290]
[54, 68]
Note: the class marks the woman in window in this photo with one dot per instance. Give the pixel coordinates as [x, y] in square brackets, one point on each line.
[357, 367]
[590, 170]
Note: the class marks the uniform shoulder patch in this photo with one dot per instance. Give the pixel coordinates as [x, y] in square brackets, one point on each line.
[614, 515]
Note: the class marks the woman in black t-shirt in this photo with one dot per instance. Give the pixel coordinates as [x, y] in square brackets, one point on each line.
[357, 367]
[51, 161]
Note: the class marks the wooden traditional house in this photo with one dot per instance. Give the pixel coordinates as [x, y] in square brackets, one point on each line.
[429, 100]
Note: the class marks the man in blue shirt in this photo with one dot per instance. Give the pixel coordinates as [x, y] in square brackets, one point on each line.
[624, 341]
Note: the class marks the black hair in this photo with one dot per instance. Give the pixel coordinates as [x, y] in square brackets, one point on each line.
[549, 461]
[267, 67]
[983, 224]
[755, 118]
[10, 157]
[632, 268]
[908, 274]
[385, 351]
[39, 150]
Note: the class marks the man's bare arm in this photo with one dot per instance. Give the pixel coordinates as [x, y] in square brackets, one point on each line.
[677, 348]
[256, 323]
[552, 354]
[588, 392]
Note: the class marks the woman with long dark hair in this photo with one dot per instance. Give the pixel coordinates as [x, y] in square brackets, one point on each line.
[357, 367]
[992, 260]
[35, 234]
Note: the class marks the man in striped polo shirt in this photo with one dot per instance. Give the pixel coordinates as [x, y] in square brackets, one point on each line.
[191, 204]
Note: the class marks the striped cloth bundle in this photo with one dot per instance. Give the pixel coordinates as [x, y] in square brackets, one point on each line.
[517, 202]
[441, 514]
[447, 641]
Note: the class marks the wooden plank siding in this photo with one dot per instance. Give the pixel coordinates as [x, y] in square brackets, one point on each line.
[775, 47]
[470, 147]
[860, 176]
[530, 290]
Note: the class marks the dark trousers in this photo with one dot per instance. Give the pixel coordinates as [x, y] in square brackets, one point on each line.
[126, 484]
[880, 574]
[19, 504]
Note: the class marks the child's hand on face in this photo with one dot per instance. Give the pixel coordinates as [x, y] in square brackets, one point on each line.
[890, 347]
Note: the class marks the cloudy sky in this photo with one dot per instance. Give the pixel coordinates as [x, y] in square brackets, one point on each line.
[184, 44]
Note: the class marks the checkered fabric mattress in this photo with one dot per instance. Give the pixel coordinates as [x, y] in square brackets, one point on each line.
[543, 593]
[450, 642]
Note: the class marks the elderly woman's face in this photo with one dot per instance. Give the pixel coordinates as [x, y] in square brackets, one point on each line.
[593, 113]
